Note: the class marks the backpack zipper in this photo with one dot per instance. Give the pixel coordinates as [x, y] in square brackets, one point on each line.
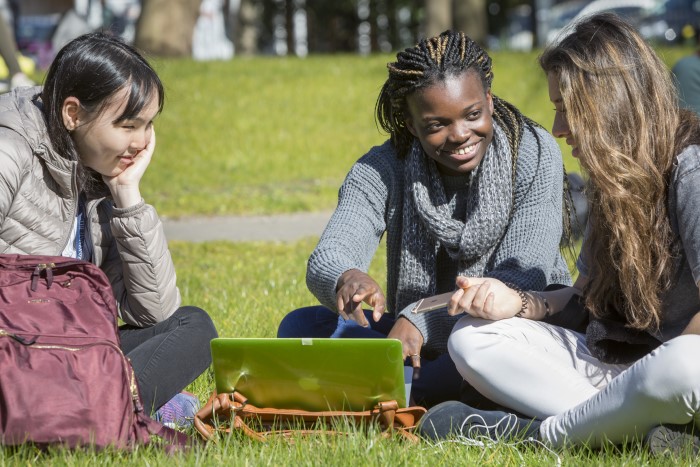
[133, 388]
[19, 339]
[48, 267]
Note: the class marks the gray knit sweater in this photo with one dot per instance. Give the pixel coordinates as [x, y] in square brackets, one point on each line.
[370, 205]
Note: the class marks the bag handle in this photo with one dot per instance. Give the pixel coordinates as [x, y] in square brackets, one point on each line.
[235, 408]
[218, 406]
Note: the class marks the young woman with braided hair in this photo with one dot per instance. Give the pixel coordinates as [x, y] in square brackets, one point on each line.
[635, 366]
[465, 185]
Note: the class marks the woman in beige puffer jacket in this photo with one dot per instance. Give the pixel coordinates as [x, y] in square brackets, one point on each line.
[72, 156]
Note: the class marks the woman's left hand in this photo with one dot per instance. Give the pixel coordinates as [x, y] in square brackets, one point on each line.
[484, 297]
[412, 341]
[125, 186]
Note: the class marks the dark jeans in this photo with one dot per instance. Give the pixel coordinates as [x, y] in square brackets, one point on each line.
[439, 379]
[168, 355]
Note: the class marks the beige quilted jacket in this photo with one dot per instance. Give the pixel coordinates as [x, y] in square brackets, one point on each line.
[37, 211]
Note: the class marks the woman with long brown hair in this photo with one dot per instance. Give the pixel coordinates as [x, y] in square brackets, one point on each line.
[632, 369]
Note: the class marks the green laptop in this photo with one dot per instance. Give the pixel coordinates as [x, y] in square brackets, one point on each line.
[311, 374]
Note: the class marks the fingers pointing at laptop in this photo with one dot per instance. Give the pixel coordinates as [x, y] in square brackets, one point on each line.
[355, 288]
[412, 341]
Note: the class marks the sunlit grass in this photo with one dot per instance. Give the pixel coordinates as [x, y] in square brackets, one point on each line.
[267, 135]
[264, 135]
[247, 288]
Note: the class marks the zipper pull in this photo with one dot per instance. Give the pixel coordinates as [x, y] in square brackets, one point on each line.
[49, 274]
[36, 274]
[138, 407]
[19, 339]
[35, 277]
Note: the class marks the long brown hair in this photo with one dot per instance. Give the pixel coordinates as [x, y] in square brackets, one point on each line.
[622, 109]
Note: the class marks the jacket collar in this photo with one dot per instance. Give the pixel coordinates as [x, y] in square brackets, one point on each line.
[22, 112]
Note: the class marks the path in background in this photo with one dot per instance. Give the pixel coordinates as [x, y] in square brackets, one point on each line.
[283, 227]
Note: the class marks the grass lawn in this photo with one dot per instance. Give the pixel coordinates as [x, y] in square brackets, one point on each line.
[247, 288]
[270, 135]
[266, 135]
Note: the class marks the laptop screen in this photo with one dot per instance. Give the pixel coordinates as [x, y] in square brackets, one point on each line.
[311, 374]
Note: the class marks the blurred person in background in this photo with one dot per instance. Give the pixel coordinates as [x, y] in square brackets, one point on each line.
[687, 73]
[8, 51]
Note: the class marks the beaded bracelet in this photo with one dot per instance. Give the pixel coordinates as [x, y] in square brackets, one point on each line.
[523, 299]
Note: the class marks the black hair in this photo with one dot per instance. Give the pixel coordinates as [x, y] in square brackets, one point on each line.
[93, 68]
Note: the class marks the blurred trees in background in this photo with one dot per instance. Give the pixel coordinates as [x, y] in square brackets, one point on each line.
[300, 27]
[292, 27]
[322, 26]
[469, 16]
[165, 27]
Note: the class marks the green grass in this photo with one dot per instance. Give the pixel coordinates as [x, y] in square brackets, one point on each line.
[356, 449]
[265, 135]
[247, 288]
[269, 135]
[261, 135]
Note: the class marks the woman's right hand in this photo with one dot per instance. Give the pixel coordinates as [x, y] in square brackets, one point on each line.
[354, 288]
[484, 297]
[125, 186]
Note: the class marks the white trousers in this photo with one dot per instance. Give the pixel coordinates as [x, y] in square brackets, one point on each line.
[547, 372]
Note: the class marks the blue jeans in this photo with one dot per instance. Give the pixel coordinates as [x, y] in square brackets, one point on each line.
[439, 379]
[168, 355]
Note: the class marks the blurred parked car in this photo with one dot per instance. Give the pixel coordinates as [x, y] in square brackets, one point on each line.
[517, 34]
[673, 21]
[633, 11]
[559, 16]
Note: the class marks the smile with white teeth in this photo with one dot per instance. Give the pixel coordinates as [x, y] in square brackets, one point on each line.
[464, 151]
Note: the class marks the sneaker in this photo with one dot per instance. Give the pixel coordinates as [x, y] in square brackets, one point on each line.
[179, 411]
[673, 440]
[20, 80]
[456, 419]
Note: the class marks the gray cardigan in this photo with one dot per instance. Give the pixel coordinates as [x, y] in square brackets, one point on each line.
[370, 205]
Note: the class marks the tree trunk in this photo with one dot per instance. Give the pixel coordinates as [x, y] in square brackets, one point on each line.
[289, 7]
[471, 18]
[165, 27]
[247, 28]
[438, 16]
[393, 32]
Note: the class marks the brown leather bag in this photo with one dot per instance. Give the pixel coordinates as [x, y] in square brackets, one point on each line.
[231, 412]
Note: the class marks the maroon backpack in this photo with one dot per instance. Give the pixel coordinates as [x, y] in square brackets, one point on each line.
[63, 377]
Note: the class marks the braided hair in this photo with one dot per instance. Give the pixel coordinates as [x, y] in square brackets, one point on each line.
[433, 60]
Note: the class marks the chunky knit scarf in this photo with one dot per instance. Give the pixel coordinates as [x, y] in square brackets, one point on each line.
[428, 223]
